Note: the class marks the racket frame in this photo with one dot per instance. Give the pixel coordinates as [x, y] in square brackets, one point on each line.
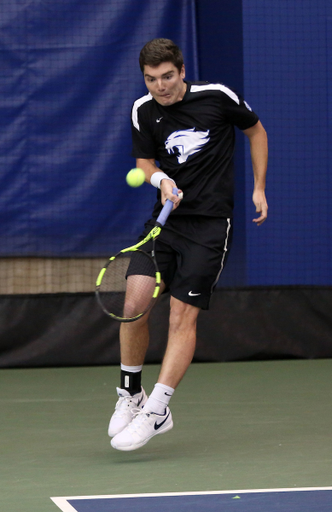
[152, 235]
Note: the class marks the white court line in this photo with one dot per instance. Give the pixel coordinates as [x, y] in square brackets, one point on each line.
[62, 502]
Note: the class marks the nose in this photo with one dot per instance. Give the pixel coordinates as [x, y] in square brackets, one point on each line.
[160, 84]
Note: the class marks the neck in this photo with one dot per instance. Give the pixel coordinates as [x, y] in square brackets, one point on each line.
[184, 90]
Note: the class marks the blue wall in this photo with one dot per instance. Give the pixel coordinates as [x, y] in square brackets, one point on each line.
[287, 58]
[69, 74]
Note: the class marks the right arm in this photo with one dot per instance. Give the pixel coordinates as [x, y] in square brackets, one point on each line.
[166, 186]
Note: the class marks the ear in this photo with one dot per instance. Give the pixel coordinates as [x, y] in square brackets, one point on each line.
[183, 72]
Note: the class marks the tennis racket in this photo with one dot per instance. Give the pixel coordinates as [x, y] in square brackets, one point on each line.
[129, 283]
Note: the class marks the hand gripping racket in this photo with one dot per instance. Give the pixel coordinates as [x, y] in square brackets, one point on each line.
[129, 283]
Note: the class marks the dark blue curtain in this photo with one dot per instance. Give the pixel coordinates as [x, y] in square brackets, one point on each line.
[69, 75]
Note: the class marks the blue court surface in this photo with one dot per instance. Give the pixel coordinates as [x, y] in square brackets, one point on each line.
[272, 500]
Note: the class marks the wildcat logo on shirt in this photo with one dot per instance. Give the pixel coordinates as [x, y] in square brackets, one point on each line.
[186, 143]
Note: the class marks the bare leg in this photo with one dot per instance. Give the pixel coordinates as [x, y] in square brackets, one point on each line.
[179, 353]
[181, 343]
[134, 341]
[134, 338]
[138, 294]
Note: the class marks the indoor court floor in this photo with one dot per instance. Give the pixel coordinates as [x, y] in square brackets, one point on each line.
[237, 426]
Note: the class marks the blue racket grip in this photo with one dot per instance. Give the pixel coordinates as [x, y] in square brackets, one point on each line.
[168, 207]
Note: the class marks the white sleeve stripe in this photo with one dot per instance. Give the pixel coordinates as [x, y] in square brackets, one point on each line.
[216, 87]
[137, 104]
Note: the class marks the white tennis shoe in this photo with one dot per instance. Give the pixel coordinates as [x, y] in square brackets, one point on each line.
[125, 410]
[143, 427]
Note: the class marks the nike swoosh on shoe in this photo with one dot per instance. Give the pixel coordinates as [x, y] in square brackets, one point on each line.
[158, 425]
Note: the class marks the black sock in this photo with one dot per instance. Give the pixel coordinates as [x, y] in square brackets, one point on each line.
[131, 382]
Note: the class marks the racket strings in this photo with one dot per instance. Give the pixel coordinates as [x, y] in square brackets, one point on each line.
[128, 286]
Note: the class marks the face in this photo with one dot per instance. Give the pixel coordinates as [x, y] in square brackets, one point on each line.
[165, 83]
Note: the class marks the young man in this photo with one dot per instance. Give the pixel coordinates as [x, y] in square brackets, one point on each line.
[189, 129]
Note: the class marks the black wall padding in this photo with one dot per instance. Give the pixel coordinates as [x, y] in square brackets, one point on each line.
[248, 323]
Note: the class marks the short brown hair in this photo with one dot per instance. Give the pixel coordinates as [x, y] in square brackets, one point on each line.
[160, 50]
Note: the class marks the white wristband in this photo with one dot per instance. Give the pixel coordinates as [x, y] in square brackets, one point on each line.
[157, 177]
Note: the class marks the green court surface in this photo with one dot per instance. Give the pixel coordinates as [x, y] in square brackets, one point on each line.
[244, 425]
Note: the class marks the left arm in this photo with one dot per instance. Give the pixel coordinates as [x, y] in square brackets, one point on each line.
[259, 155]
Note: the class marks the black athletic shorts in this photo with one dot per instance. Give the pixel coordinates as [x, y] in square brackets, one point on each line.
[191, 253]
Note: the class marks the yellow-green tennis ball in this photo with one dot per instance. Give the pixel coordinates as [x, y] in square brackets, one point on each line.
[135, 177]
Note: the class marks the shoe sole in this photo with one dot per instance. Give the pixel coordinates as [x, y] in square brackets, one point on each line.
[142, 443]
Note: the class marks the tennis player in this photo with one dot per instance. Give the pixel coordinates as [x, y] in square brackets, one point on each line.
[189, 129]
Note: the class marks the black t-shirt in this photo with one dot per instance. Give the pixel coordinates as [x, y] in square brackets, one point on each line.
[193, 141]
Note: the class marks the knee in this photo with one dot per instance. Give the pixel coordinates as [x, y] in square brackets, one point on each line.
[182, 314]
[130, 309]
